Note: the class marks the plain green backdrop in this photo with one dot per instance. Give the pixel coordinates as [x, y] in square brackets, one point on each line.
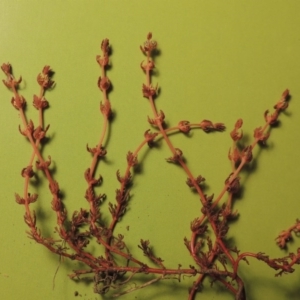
[219, 60]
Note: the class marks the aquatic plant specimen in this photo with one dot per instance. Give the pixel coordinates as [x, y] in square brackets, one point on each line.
[208, 245]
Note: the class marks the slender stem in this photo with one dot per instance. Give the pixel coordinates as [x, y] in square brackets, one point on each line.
[98, 147]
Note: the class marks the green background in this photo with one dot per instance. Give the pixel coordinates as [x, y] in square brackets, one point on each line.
[219, 60]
